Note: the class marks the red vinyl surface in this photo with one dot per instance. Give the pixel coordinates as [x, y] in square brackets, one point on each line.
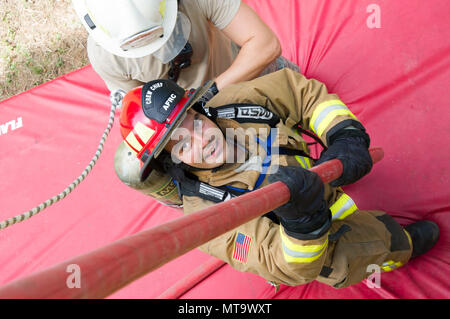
[395, 79]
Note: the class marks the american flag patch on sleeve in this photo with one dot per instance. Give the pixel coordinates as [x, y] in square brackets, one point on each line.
[241, 247]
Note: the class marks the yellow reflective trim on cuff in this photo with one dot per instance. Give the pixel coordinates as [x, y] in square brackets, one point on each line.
[409, 237]
[343, 207]
[320, 108]
[296, 253]
[330, 117]
[291, 259]
[300, 248]
[304, 161]
[391, 265]
[325, 113]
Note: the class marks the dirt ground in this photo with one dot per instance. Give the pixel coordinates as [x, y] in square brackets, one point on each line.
[39, 41]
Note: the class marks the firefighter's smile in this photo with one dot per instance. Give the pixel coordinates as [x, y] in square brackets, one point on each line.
[212, 149]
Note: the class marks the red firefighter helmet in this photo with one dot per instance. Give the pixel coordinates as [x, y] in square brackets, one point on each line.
[151, 113]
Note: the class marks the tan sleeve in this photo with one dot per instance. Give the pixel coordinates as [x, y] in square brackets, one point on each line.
[219, 12]
[262, 247]
[109, 68]
[293, 97]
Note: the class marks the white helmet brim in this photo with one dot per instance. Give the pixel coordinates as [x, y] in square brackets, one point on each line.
[129, 28]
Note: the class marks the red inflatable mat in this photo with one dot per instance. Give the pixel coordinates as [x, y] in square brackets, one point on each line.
[395, 79]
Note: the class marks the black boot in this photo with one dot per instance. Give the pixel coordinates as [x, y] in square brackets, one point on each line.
[424, 234]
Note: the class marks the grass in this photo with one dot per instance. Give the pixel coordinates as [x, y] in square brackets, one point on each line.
[39, 41]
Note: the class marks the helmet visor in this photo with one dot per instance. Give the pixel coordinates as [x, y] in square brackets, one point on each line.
[176, 41]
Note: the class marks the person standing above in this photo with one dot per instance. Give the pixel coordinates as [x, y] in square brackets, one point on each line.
[132, 42]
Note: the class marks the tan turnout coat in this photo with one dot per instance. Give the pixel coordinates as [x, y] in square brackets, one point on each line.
[356, 239]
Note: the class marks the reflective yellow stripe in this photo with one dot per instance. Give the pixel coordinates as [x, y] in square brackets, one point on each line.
[330, 117]
[343, 207]
[320, 108]
[131, 139]
[295, 253]
[325, 113]
[409, 237]
[144, 132]
[391, 265]
[162, 8]
[304, 161]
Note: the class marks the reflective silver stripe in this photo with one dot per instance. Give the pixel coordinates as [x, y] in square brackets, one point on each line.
[293, 253]
[303, 161]
[325, 112]
[206, 189]
[391, 265]
[348, 204]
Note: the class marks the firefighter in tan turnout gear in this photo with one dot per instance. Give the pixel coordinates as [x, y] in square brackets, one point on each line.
[246, 137]
[132, 42]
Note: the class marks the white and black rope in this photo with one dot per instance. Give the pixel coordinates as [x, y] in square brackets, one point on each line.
[116, 99]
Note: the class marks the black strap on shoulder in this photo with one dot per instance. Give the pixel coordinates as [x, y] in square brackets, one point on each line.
[192, 187]
[181, 61]
[251, 113]
[244, 113]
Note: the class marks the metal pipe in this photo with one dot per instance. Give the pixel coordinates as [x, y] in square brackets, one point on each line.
[107, 269]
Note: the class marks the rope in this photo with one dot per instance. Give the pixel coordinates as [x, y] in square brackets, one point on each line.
[116, 99]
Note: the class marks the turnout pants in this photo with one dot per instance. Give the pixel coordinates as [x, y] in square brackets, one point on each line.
[360, 243]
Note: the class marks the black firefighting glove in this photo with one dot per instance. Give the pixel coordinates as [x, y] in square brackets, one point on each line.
[306, 215]
[351, 147]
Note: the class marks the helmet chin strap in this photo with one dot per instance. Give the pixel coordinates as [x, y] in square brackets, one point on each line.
[180, 62]
[167, 164]
[192, 168]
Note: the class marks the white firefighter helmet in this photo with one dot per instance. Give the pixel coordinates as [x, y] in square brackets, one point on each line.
[136, 28]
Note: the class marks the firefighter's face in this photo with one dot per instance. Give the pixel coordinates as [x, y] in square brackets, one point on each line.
[198, 142]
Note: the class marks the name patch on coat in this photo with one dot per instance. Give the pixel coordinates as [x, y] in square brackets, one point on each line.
[241, 247]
